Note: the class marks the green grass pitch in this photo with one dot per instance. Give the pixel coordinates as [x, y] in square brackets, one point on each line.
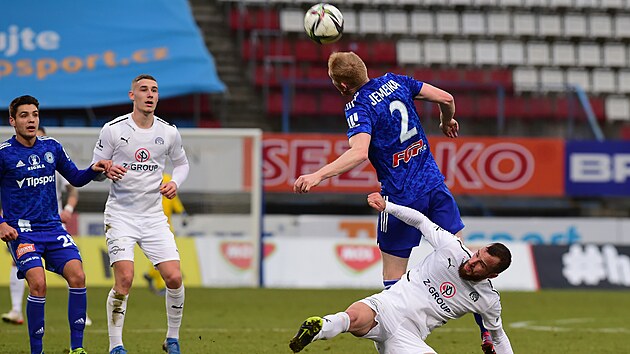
[263, 320]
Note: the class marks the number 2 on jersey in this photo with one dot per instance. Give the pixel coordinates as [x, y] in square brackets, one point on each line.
[405, 133]
[67, 240]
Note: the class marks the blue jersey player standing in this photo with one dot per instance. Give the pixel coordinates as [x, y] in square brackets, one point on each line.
[384, 127]
[31, 226]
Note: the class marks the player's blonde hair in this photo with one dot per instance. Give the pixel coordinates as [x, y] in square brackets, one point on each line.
[347, 68]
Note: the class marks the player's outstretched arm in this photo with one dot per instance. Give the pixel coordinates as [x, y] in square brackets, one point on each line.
[115, 172]
[353, 157]
[101, 166]
[446, 102]
[434, 234]
[7, 233]
[501, 342]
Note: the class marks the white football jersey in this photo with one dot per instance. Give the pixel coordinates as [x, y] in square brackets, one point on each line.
[143, 153]
[440, 294]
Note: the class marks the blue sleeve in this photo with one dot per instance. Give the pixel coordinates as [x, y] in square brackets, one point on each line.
[358, 118]
[412, 84]
[69, 170]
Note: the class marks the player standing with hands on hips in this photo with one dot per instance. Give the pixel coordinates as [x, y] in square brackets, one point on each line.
[141, 142]
[31, 226]
[384, 127]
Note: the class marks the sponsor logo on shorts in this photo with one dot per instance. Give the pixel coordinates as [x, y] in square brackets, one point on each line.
[24, 248]
[358, 257]
[115, 249]
[447, 289]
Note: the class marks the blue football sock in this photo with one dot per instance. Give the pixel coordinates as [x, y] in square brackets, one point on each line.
[77, 305]
[388, 283]
[35, 318]
[480, 324]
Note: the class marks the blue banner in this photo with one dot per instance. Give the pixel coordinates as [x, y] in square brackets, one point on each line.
[72, 54]
[598, 168]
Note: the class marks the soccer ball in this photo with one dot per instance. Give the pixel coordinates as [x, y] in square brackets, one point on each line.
[323, 23]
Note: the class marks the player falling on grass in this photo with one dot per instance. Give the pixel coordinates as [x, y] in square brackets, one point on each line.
[31, 225]
[449, 283]
[384, 127]
[16, 286]
[141, 143]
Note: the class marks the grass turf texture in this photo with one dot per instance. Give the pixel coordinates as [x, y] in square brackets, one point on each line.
[264, 320]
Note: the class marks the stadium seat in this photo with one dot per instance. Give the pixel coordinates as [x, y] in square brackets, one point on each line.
[624, 81]
[371, 22]
[350, 24]
[396, 22]
[473, 24]
[617, 108]
[524, 24]
[332, 104]
[622, 26]
[499, 24]
[574, 25]
[538, 53]
[615, 55]
[604, 81]
[561, 3]
[447, 23]
[588, 55]
[612, 4]
[422, 23]
[525, 79]
[435, 52]
[600, 25]
[304, 104]
[460, 52]
[487, 107]
[292, 20]
[549, 25]
[552, 79]
[586, 4]
[409, 51]
[579, 77]
[512, 53]
[502, 77]
[563, 54]
[486, 53]
[274, 103]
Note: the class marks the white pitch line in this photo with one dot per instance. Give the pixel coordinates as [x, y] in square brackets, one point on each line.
[531, 325]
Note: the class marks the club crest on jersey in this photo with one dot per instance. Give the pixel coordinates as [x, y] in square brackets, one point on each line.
[35, 162]
[474, 296]
[406, 155]
[159, 140]
[142, 155]
[49, 157]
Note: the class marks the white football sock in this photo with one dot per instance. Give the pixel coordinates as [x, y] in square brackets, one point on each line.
[333, 325]
[174, 310]
[16, 287]
[116, 310]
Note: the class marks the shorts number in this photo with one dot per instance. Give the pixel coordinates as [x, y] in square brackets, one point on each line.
[405, 133]
[67, 240]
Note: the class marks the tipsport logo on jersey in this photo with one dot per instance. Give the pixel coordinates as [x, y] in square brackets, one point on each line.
[36, 181]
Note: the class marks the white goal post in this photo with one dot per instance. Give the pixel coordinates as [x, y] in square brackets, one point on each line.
[225, 182]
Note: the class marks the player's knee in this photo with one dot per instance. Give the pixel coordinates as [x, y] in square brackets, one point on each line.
[76, 279]
[37, 287]
[173, 280]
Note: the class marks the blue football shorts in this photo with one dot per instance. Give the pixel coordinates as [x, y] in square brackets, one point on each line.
[397, 238]
[55, 246]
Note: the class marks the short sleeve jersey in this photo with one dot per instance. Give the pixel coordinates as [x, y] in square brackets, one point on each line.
[143, 152]
[399, 150]
[28, 182]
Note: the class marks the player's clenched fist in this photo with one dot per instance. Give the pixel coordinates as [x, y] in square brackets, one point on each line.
[304, 183]
[7, 233]
[376, 201]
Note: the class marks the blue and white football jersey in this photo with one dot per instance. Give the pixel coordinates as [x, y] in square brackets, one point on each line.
[27, 182]
[399, 149]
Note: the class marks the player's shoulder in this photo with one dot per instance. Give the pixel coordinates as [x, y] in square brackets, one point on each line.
[5, 144]
[117, 121]
[165, 123]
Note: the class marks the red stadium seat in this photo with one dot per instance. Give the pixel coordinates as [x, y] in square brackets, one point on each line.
[307, 51]
[304, 104]
[384, 52]
[267, 19]
[332, 104]
[274, 103]
[487, 106]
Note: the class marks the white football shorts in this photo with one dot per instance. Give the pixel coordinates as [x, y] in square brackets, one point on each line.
[151, 233]
[395, 332]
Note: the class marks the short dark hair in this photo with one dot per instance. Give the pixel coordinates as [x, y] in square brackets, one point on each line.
[19, 101]
[503, 253]
[142, 77]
